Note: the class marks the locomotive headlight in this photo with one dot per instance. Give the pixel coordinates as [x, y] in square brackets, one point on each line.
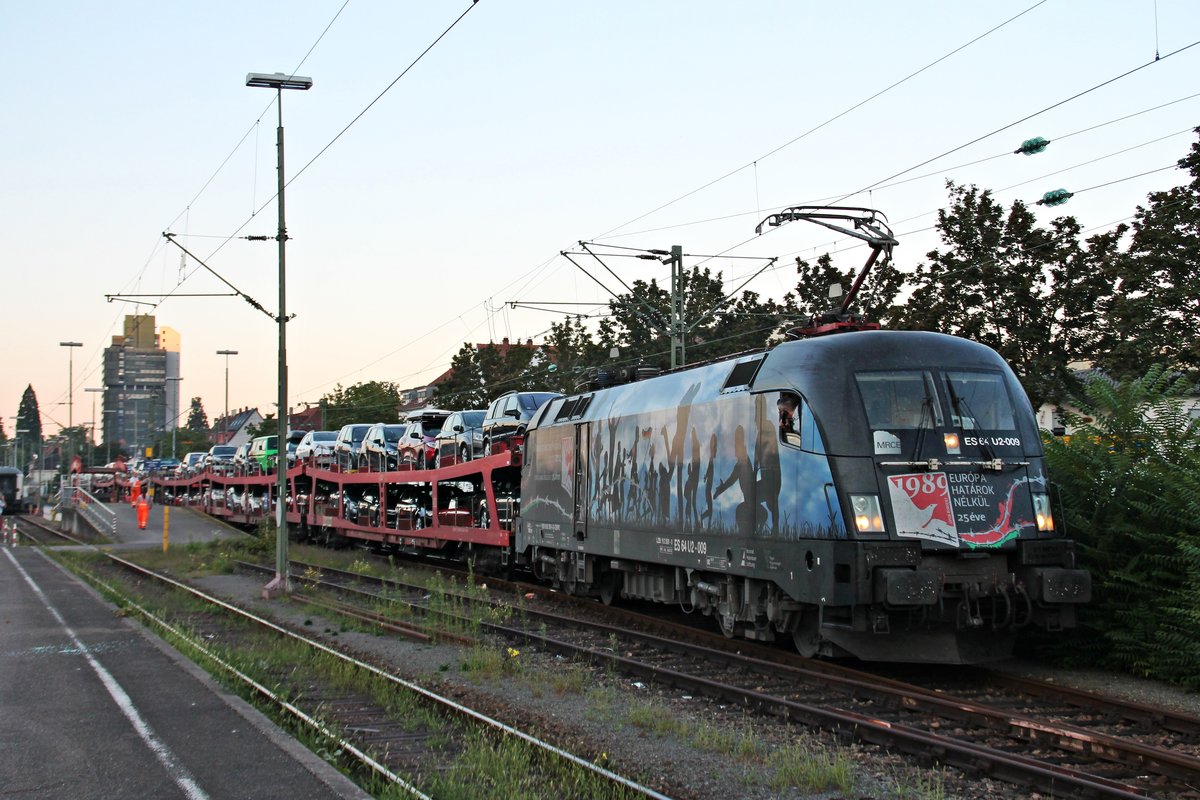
[1041, 510]
[867, 516]
[951, 440]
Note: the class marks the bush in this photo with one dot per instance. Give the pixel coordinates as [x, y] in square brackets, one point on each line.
[1128, 483]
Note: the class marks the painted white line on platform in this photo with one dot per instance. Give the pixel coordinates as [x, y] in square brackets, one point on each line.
[179, 773]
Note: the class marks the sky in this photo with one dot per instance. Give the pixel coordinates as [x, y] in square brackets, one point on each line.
[422, 201]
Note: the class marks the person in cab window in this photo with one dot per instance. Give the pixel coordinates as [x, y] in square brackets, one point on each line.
[788, 405]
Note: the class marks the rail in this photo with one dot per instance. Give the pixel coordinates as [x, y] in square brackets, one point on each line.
[103, 518]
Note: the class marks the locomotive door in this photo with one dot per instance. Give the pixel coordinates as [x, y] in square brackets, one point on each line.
[579, 515]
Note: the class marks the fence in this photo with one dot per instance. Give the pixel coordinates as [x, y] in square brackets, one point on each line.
[90, 508]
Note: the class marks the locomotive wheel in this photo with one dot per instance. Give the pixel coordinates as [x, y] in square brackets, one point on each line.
[730, 627]
[610, 586]
[807, 637]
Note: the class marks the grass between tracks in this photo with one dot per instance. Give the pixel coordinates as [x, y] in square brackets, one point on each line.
[460, 760]
[483, 764]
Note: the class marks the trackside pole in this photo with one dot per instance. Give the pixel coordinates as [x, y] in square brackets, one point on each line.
[166, 526]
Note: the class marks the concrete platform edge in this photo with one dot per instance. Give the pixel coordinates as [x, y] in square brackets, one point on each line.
[314, 764]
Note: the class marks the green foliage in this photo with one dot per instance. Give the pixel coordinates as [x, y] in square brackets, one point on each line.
[992, 283]
[1128, 483]
[364, 402]
[197, 420]
[814, 769]
[185, 440]
[1153, 314]
[29, 419]
[481, 373]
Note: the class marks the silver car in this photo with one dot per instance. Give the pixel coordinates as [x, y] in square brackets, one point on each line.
[317, 448]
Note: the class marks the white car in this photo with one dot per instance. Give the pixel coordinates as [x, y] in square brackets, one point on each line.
[317, 447]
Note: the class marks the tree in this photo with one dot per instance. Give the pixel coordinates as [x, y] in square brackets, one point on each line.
[184, 440]
[197, 420]
[876, 297]
[991, 283]
[369, 401]
[29, 419]
[464, 388]
[1128, 490]
[716, 324]
[481, 373]
[1155, 315]
[568, 352]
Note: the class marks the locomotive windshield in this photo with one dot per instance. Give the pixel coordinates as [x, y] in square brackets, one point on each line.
[978, 401]
[900, 399]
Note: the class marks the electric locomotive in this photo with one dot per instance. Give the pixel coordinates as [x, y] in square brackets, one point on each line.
[881, 494]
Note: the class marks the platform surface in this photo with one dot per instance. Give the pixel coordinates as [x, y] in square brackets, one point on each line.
[93, 706]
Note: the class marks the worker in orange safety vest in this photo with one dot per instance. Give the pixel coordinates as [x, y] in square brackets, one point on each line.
[143, 513]
[135, 491]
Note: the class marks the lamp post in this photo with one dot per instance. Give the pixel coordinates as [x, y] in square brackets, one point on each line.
[93, 392]
[225, 419]
[175, 422]
[70, 397]
[278, 81]
[16, 442]
[108, 438]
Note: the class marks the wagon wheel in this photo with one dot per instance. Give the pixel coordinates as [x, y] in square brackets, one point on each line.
[610, 586]
[807, 636]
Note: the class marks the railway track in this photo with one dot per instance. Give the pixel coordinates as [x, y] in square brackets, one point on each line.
[39, 532]
[1030, 733]
[405, 735]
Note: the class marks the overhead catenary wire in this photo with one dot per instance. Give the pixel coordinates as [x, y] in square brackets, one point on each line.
[533, 277]
[347, 127]
[821, 125]
[759, 213]
[1026, 118]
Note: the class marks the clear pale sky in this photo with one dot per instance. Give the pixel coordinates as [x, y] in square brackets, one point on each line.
[530, 126]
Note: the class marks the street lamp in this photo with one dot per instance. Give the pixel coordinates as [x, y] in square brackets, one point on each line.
[93, 393]
[108, 438]
[278, 81]
[70, 397]
[16, 442]
[225, 419]
[175, 422]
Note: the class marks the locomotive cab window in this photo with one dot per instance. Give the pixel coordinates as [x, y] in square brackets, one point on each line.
[899, 399]
[788, 406]
[979, 401]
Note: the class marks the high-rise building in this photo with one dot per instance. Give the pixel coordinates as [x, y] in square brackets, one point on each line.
[168, 340]
[140, 403]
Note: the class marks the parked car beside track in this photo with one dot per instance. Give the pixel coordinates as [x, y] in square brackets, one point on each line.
[379, 451]
[193, 463]
[264, 451]
[417, 446]
[241, 460]
[346, 446]
[461, 438]
[219, 458]
[293, 441]
[508, 415]
[317, 447]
